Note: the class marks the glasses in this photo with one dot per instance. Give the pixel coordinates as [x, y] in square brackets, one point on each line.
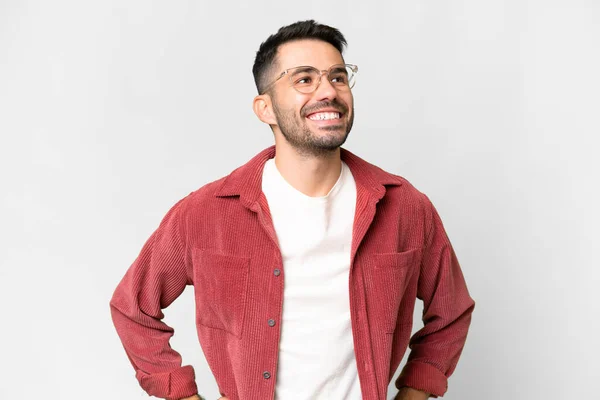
[306, 79]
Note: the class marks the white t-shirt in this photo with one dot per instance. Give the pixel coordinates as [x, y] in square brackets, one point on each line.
[316, 351]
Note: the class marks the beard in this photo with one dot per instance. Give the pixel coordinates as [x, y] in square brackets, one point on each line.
[298, 134]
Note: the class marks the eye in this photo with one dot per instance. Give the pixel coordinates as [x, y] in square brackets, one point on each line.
[303, 80]
[339, 77]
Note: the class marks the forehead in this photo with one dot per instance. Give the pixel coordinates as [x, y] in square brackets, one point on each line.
[315, 53]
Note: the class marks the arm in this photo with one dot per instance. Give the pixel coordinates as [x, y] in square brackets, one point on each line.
[447, 308]
[156, 278]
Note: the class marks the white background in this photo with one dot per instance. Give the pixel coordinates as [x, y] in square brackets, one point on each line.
[112, 111]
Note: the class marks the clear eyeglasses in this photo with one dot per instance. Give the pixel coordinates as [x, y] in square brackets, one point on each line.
[306, 79]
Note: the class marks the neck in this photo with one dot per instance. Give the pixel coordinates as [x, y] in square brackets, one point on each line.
[312, 175]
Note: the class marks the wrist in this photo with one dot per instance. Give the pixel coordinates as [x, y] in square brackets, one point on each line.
[194, 397]
[407, 393]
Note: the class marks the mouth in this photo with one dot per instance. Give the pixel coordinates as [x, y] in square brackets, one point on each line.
[325, 117]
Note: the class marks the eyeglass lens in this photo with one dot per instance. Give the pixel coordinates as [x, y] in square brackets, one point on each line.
[307, 79]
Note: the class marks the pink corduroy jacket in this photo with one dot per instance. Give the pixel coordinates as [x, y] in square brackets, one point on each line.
[221, 240]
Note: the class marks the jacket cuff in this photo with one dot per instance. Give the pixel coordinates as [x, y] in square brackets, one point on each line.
[172, 385]
[424, 377]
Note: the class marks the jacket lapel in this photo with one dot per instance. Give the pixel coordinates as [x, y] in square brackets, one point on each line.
[371, 181]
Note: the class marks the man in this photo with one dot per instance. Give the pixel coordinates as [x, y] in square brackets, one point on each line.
[306, 261]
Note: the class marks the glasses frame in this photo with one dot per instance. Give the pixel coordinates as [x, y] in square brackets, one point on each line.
[352, 67]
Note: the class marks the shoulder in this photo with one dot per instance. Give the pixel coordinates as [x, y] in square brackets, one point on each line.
[400, 188]
[200, 197]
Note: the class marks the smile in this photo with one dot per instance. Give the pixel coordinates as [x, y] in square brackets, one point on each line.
[324, 116]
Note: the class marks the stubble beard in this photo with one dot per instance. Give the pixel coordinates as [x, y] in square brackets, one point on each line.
[298, 134]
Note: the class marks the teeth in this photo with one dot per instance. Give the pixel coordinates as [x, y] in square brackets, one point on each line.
[322, 116]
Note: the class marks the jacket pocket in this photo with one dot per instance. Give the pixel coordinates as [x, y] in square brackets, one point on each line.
[386, 282]
[221, 290]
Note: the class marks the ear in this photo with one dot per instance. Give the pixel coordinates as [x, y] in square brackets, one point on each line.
[263, 108]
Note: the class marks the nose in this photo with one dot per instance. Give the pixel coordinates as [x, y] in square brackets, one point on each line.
[325, 90]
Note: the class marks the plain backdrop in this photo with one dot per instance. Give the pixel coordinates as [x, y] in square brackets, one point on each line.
[112, 111]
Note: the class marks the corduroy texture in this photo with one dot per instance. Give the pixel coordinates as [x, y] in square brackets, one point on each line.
[221, 240]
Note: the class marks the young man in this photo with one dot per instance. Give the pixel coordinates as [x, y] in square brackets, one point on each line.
[306, 261]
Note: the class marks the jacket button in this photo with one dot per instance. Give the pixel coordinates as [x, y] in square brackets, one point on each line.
[277, 272]
[266, 375]
[271, 322]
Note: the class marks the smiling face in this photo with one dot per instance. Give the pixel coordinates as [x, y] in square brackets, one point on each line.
[317, 122]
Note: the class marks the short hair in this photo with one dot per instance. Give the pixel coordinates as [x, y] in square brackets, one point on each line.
[267, 52]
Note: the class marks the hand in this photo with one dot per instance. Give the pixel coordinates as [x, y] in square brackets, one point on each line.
[407, 393]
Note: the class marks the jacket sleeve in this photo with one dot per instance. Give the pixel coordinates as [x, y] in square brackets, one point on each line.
[155, 279]
[447, 308]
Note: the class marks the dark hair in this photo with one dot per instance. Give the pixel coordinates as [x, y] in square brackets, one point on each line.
[265, 56]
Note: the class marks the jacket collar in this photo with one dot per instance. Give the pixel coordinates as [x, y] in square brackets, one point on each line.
[246, 181]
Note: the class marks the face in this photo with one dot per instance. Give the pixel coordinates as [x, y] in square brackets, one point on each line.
[305, 120]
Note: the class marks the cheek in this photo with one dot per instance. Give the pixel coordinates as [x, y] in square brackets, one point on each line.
[300, 101]
[349, 99]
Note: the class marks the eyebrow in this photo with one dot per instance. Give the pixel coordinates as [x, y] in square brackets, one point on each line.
[299, 70]
[339, 68]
